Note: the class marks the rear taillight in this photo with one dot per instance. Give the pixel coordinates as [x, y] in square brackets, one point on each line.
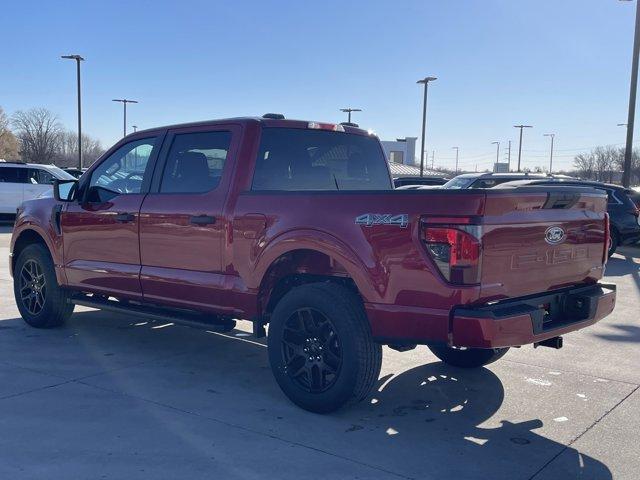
[607, 238]
[455, 249]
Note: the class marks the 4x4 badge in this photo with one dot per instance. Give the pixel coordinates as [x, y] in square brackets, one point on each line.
[371, 219]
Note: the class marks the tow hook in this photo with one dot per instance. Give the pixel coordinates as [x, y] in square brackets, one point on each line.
[555, 342]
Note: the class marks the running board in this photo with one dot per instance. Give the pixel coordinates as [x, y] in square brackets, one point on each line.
[179, 317]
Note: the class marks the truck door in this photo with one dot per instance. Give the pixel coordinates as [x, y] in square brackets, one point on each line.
[182, 219]
[100, 231]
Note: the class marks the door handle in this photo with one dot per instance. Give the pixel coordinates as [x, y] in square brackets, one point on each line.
[125, 217]
[202, 219]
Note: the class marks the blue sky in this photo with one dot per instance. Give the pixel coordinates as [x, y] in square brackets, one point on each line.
[562, 66]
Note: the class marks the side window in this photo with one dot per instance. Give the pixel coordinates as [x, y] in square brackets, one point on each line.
[485, 183]
[121, 172]
[37, 176]
[12, 175]
[294, 159]
[195, 162]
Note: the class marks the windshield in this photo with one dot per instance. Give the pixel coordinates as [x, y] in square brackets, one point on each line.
[459, 182]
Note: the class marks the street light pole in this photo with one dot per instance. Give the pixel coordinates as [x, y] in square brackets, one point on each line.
[78, 59]
[628, 151]
[457, 149]
[509, 157]
[135, 128]
[497, 152]
[553, 136]
[521, 127]
[124, 102]
[348, 112]
[424, 81]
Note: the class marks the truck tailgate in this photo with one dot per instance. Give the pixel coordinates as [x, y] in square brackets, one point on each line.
[539, 239]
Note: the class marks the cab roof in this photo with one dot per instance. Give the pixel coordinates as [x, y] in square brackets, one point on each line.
[264, 122]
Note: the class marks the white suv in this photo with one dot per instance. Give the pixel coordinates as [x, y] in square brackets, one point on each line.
[25, 181]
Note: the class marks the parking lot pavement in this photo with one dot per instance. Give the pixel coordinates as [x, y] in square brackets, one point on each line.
[111, 396]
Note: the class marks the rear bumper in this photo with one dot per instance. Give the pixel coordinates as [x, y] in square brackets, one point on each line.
[531, 319]
[508, 323]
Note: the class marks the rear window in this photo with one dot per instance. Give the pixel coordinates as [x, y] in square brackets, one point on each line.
[296, 160]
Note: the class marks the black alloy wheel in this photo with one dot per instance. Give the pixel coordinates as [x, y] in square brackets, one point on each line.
[311, 350]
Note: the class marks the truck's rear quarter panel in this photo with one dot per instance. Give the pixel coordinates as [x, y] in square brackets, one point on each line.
[405, 295]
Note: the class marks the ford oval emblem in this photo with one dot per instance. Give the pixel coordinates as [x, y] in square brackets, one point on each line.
[554, 235]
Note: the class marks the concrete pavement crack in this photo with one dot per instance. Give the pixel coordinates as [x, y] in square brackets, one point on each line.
[598, 420]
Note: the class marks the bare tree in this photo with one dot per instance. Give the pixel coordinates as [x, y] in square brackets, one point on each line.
[585, 164]
[38, 132]
[67, 150]
[8, 141]
[635, 163]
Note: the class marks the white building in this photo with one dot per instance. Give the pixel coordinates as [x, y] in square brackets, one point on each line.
[401, 155]
[401, 151]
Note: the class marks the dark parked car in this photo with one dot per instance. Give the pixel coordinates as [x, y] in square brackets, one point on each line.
[634, 195]
[624, 215]
[490, 180]
[418, 181]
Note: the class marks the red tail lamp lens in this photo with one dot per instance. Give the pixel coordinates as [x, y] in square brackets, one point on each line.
[455, 252]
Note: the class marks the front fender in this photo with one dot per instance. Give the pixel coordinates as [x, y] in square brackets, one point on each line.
[36, 216]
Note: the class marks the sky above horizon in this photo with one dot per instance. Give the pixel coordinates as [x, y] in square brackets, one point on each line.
[561, 66]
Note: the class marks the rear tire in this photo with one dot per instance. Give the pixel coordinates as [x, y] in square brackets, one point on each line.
[41, 301]
[321, 350]
[468, 357]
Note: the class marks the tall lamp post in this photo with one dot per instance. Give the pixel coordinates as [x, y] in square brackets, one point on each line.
[498, 151]
[424, 81]
[628, 151]
[124, 102]
[553, 136]
[521, 127]
[78, 59]
[457, 149]
[348, 112]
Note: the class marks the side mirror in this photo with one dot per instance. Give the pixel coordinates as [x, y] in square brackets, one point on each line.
[65, 190]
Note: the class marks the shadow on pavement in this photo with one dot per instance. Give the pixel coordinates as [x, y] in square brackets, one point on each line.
[432, 418]
[618, 267]
[625, 333]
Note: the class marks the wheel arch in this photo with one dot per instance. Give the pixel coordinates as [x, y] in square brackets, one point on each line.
[317, 257]
[29, 236]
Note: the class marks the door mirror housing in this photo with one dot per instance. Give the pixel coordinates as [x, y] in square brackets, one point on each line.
[65, 190]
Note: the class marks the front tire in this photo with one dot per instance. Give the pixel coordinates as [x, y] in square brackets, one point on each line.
[467, 357]
[41, 301]
[321, 350]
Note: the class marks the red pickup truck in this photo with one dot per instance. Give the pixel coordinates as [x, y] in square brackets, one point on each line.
[296, 225]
